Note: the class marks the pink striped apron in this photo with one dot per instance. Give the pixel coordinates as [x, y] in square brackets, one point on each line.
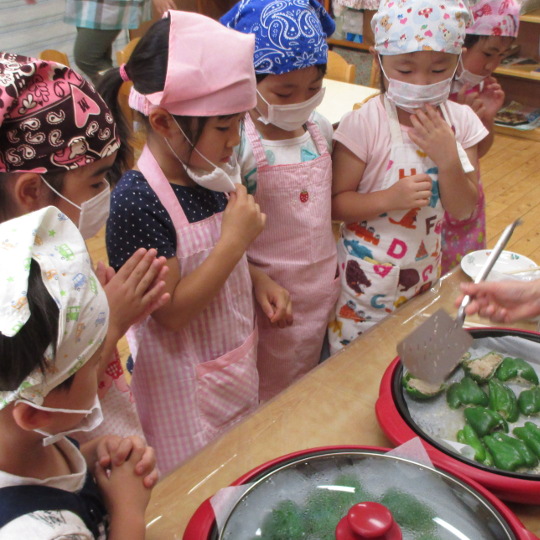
[191, 385]
[297, 250]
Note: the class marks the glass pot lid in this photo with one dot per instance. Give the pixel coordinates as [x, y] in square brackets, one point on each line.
[305, 497]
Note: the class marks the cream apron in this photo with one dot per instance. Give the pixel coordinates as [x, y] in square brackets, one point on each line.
[297, 250]
[192, 384]
[389, 259]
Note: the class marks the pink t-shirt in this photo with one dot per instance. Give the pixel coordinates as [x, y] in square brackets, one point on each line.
[366, 133]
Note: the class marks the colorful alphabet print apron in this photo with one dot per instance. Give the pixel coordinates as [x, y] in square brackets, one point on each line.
[389, 259]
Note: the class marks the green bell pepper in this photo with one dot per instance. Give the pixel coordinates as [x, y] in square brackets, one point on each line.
[482, 369]
[409, 512]
[285, 521]
[481, 454]
[530, 435]
[508, 453]
[529, 401]
[420, 389]
[516, 369]
[485, 421]
[465, 392]
[503, 400]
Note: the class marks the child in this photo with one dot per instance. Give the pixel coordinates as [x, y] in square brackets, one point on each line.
[285, 161]
[52, 335]
[488, 41]
[195, 359]
[57, 141]
[398, 161]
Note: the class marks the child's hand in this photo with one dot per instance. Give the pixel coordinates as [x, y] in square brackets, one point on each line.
[434, 136]
[492, 97]
[274, 300]
[410, 192]
[125, 495]
[112, 451]
[136, 290]
[243, 220]
[472, 99]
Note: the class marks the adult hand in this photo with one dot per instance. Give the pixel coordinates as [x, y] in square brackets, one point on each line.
[503, 301]
[161, 6]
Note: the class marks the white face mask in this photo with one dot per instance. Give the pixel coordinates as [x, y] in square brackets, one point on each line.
[222, 178]
[93, 418]
[291, 117]
[467, 78]
[94, 211]
[410, 97]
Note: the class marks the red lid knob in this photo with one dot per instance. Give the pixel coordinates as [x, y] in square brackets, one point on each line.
[368, 521]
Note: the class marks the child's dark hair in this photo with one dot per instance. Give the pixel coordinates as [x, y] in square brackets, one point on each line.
[320, 67]
[24, 352]
[147, 69]
[7, 206]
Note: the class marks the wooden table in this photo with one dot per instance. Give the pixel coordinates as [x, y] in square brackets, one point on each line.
[332, 405]
[340, 98]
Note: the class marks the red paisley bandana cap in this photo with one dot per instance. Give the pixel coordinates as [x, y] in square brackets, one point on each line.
[51, 118]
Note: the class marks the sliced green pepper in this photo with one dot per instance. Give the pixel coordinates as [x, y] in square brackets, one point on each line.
[465, 392]
[530, 435]
[485, 421]
[468, 436]
[285, 521]
[529, 401]
[508, 453]
[503, 400]
[482, 369]
[420, 389]
[515, 369]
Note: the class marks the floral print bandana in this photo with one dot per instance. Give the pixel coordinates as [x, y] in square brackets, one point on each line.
[48, 237]
[51, 118]
[406, 26]
[289, 34]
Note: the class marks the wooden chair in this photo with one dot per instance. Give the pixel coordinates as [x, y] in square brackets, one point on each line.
[339, 69]
[375, 75]
[123, 55]
[52, 55]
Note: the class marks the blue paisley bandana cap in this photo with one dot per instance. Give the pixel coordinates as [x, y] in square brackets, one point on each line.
[289, 34]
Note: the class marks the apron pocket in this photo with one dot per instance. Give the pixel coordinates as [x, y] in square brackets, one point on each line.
[228, 387]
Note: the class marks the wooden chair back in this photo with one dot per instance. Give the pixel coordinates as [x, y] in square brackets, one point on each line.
[52, 55]
[339, 69]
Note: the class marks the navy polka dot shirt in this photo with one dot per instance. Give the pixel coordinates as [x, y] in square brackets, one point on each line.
[138, 219]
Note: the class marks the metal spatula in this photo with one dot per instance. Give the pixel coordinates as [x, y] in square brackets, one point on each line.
[433, 350]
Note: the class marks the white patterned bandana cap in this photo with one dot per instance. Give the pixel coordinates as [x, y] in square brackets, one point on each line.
[48, 237]
[406, 26]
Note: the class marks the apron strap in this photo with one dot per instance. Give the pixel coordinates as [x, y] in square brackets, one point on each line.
[151, 170]
[256, 143]
[317, 136]
[395, 129]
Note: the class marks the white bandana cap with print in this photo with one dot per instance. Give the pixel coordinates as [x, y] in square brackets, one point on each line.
[406, 26]
[48, 237]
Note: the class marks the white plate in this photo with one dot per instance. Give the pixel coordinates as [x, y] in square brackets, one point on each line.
[508, 261]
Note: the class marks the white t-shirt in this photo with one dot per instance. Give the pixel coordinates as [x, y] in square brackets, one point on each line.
[366, 133]
[50, 524]
[285, 152]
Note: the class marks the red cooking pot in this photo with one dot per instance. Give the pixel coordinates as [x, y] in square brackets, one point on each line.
[393, 409]
[311, 493]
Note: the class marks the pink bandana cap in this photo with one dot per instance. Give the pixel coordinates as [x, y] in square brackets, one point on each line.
[406, 26]
[495, 18]
[51, 118]
[209, 73]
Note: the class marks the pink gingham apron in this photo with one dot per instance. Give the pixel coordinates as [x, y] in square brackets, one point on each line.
[192, 384]
[297, 250]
